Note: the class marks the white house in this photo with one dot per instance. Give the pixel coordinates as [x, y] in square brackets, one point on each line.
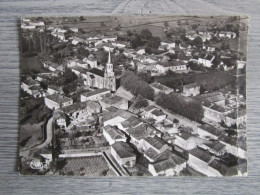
[94, 95]
[161, 88]
[123, 154]
[56, 101]
[167, 164]
[175, 65]
[112, 134]
[206, 60]
[192, 89]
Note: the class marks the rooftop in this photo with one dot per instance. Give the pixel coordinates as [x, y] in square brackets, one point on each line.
[201, 154]
[160, 87]
[142, 131]
[172, 63]
[113, 132]
[133, 121]
[215, 145]
[97, 71]
[109, 114]
[211, 129]
[59, 98]
[30, 82]
[192, 85]
[95, 92]
[90, 105]
[123, 150]
[111, 99]
[158, 112]
[156, 142]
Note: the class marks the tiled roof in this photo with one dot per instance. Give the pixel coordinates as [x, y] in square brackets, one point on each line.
[123, 150]
[133, 121]
[215, 145]
[156, 142]
[30, 82]
[97, 71]
[142, 131]
[158, 112]
[211, 129]
[111, 99]
[201, 154]
[113, 132]
[192, 85]
[110, 114]
[58, 98]
[95, 92]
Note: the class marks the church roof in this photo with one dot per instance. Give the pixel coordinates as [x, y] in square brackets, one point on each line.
[97, 71]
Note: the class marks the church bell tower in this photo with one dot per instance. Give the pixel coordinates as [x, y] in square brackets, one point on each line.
[109, 75]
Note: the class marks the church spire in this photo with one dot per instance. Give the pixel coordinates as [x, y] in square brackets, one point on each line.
[109, 57]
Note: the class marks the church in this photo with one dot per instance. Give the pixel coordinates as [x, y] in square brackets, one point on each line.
[102, 78]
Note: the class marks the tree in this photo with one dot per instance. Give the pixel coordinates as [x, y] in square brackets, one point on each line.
[146, 34]
[82, 52]
[154, 42]
[197, 42]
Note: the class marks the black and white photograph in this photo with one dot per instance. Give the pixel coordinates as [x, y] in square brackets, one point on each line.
[133, 95]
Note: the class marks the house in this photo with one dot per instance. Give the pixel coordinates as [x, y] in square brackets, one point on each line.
[53, 89]
[167, 164]
[167, 126]
[161, 88]
[60, 119]
[113, 116]
[206, 60]
[109, 100]
[214, 147]
[36, 91]
[74, 30]
[199, 159]
[235, 145]
[227, 34]
[207, 131]
[131, 122]
[112, 134]
[174, 65]
[185, 140]
[81, 110]
[109, 39]
[240, 64]
[123, 154]
[120, 44]
[213, 97]
[215, 112]
[94, 95]
[153, 113]
[26, 84]
[138, 133]
[53, 66]
[56, 101]
[91, 61]
[168, 45]
[237, 117]
[153, 146]
[141, 51]
[192, 89]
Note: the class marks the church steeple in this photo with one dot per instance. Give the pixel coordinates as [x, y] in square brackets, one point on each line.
[109, 57]
[109, 65]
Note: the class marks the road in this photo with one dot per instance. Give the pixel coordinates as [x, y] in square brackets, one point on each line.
[46, 142]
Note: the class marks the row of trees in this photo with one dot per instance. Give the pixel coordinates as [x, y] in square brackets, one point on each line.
[131, 82]
[176, 103]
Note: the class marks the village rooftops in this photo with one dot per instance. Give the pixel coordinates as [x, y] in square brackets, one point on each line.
[111, 99]
[237, 113]
[215, 107]
[211, 129]
[113, 132]
[150, 108]
[201, 154]
[161, 87]
[54, 87]
[142, 131]
[90, 105]
[79, 69]
[210, 97]
[133, 121]
[167, 160]
[58, 98]
[172, 63]
[192, 85]
[112, 112]
[216, 146]
[158, 112]
[156, 142]
[123, 150]
[95, 92]
[30, 82]
[184, 135]
[234, 141]
[97, 71]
